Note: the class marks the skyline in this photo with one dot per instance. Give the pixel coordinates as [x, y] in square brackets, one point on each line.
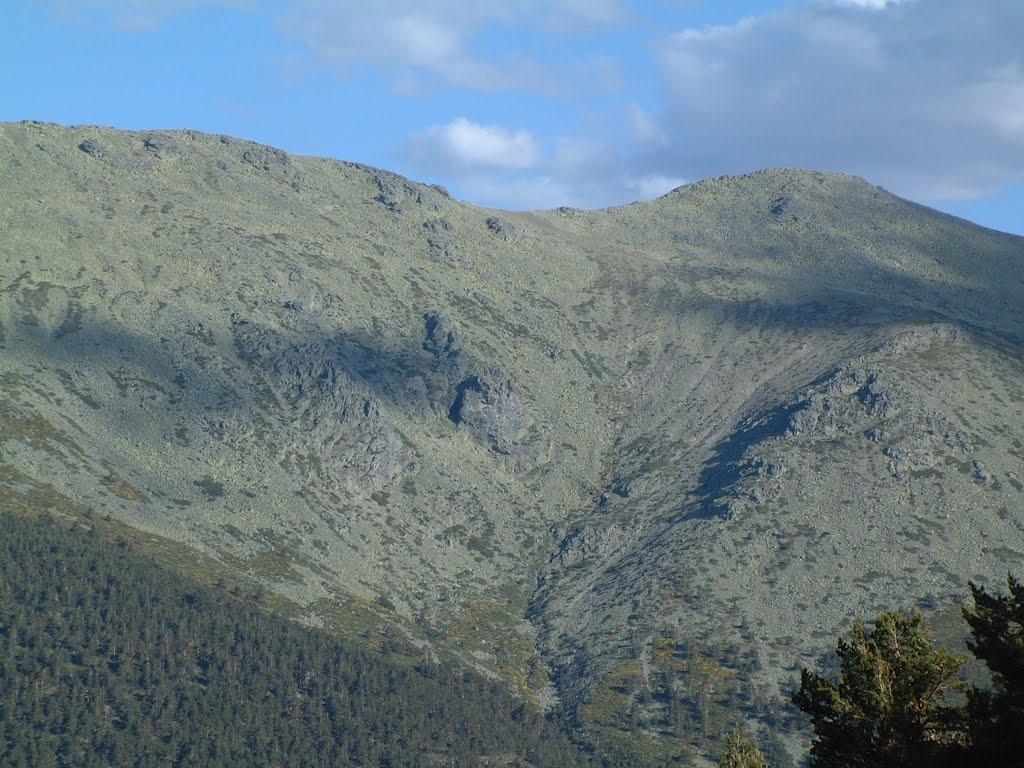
[527, 105]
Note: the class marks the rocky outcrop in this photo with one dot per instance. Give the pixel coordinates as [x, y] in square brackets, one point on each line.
[489, 406]
[502, 227]
[92, 148]
[486, 403]
[331, 420]
[396, 193]
[835, 406]
[266, 159]
[448, 361]
[162, 145]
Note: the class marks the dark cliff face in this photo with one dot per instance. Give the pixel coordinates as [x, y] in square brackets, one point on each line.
[711, 426]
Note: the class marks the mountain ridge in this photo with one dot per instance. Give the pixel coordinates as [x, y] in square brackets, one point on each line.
[583, 450]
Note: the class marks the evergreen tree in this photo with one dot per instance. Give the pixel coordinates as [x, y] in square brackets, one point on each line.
[741, 751]
[106, 659]
[891, 706]
[997, 715]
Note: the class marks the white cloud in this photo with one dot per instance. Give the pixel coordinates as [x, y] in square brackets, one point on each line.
[433, 39]
[872, 4]
[647, 187]
[527, 192]
[465, 147]
[492, 165]
[925, 96]
[644, 128]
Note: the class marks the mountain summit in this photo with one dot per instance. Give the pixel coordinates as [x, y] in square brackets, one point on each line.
[638, 463]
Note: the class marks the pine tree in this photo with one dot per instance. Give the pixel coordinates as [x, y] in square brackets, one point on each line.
[891, 705]
[741, 751]
[997, 715]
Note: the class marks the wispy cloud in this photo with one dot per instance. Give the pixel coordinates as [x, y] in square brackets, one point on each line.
[495, 165]
[433, 39]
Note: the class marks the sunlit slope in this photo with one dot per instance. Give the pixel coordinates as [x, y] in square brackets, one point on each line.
[740, 413]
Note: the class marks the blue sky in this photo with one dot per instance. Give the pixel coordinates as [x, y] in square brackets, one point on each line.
[524, 104]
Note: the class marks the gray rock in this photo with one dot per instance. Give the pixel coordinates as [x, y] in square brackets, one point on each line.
[779, 204]
[332, 420]
[273, 161]
[266, 158]
[448, 361]
[438, 225]
[161, 145]
[488, 405]
[585, 542]
[92, 148]
[501, 227]
[814, 416]
[874, 434]
[875, 398]
[392, 190]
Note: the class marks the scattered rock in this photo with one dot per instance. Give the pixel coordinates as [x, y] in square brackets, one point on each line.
[92, 148]
[161, 145]
[444, 250]
[912, 456]
[438, 225]
[266, 158]
[587, 541]
[502, 227]
[274, 161]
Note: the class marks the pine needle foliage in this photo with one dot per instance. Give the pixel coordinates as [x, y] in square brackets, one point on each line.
[997, 714]
[741, 751]
[893, 704]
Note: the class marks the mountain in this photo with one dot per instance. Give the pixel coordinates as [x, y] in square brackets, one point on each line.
[640, 464]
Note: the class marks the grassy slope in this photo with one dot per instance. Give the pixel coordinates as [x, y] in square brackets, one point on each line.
[661, 351]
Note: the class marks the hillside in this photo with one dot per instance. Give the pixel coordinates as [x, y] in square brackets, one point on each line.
[108, 660]
[639, 463]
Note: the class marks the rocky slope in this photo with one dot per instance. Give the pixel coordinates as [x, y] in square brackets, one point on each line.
[583, 450]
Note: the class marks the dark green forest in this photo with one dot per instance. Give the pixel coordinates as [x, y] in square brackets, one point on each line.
[110, 659]
[107, 659]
